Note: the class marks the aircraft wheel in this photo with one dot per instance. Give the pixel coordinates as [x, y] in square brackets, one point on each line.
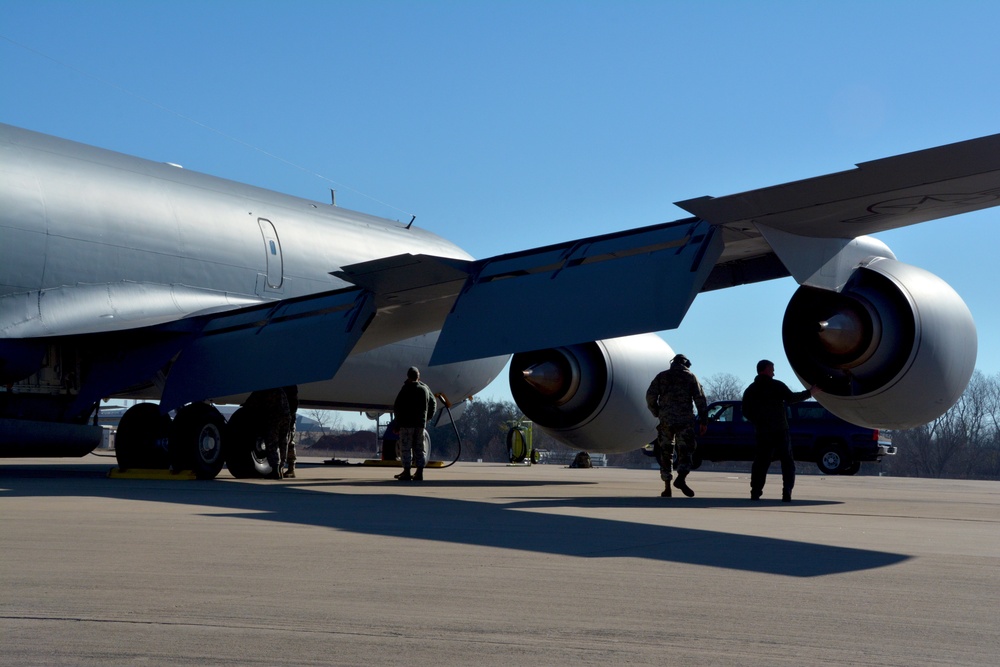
[141, 439]
[196, 440]
[831, 459]
[245, 451]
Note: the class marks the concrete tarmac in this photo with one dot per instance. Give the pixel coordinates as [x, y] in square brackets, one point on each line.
[487, 564]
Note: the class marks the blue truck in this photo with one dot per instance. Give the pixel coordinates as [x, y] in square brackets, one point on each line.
[818, 436]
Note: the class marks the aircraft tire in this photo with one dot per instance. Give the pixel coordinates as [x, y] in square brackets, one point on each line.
[244, 450]
[141, 438]
[196, 440]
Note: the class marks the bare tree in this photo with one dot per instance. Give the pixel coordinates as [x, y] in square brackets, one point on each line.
[963, 442]
[989, 448]
[924, 454]
[483, 429]
[329, 421]
[723, 387]
[983, 427]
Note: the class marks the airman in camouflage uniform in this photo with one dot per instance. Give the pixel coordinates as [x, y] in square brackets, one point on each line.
[288, 452]
[414, 407]
[270, 408]
[669, 398]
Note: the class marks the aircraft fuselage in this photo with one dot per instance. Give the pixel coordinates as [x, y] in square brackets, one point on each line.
[153, 242]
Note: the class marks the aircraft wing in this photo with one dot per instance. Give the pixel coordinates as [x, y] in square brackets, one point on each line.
[645, 279]
[875, 196]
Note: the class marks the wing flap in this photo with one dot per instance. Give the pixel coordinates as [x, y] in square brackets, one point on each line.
[287, 342]
[602, 287]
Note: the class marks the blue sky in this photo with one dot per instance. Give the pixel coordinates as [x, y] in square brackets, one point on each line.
[508, 125]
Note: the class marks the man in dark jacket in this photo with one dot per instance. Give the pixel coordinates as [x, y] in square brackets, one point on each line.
[415, 405]
[764, 404]
[669, 399]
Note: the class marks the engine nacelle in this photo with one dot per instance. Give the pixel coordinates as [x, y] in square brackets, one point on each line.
[893, 350]
[592, 396]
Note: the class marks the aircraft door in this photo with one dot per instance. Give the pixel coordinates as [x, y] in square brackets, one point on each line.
[272, 252]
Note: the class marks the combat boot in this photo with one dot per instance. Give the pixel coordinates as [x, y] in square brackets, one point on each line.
[680, 484]
[419, 475]
[666, 490]
[275, 472]
[290, 472]
[404, 476]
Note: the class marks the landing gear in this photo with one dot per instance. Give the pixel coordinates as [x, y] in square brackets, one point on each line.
[196, 440]
[245, 451]
[141, 440]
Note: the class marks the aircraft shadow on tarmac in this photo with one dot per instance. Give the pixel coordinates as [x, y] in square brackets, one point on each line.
[488, 524]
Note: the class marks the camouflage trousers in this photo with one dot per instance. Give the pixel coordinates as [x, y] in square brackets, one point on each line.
[412, 446]
[673, 438]
[276, 439]
[287, 454]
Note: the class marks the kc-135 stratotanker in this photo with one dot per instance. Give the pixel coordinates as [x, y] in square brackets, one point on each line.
[127, 278]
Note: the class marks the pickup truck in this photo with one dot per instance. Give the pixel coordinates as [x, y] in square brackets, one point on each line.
[836, 446]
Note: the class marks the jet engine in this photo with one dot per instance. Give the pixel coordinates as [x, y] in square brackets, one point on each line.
[591, 396]
[894, 349]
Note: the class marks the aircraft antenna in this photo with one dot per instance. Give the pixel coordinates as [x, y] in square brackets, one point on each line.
[411, 221]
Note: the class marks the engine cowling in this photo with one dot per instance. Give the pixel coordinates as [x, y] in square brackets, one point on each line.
[894, 349]
[591, 396]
